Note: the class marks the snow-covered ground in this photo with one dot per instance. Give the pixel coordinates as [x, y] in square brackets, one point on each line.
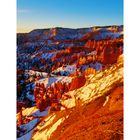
[50, 125]
[28, 129]
[96, 86]
[32, 72]
[66, 69]
[30, 97]
[107, 34]
[51, 80]
[33, 111]
[26, 136]
[40, 114]
[29, 56]
[97, 66]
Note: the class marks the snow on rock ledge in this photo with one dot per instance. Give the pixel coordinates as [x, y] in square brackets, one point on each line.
[28, 129]
[96, 85]
[50, 126]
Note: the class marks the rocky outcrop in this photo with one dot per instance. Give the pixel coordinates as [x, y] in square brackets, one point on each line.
[77, 82]
[108, 51]
[99, 114]
[89, 71]
[97, 85]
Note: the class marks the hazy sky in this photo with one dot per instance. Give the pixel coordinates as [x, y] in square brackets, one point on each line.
[33, 14]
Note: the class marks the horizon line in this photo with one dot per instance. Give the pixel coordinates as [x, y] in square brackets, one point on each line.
[69, 28]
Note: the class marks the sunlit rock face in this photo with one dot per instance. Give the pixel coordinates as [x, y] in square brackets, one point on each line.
[110, 55]
[77, 82]
[63, 77]
[100, 99]
[107, 50]
[97, 85]
[102, 89]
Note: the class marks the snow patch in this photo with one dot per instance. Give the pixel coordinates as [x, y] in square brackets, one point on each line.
[26, 136]
[107, 99]
[40, 114]
[69, 69]
[28, 129]
[34, 111]
[30, 97]
[48, 129]
[51, 80]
